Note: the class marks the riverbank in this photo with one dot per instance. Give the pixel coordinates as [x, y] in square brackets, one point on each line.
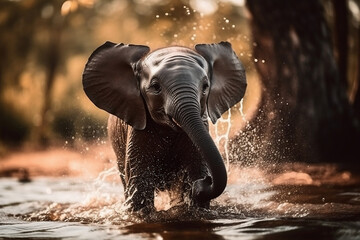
[86, 162]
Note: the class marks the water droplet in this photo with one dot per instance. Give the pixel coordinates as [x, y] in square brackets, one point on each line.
[227, 21]
[175, 35]
[221, 137]
[233, 26]
[256, 60]
[263, 61]
[157, 16]
[241, 109]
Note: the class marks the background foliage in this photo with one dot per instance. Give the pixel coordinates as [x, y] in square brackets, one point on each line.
[45, 45]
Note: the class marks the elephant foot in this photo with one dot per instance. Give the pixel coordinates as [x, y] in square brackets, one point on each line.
[144, 212]
[140, 203]
[137, 209]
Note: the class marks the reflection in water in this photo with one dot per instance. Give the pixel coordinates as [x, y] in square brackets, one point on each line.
[256, 204]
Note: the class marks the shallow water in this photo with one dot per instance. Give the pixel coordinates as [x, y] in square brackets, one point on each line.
[256, 205]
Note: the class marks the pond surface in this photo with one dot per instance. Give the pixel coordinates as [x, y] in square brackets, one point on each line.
[256, 205]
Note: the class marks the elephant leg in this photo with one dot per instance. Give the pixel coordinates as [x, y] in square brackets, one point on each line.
[117, 132]
[140, 194]
[140, 189]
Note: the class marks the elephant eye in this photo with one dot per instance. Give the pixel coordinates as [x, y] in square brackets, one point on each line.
[155, 86]
[205, 87]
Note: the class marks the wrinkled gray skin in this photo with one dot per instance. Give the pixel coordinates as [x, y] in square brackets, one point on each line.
[159, 104]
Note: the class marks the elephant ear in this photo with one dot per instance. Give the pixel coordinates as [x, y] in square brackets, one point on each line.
[227, 77]
[110, 82]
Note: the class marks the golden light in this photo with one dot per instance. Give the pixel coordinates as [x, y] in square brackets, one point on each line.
[354, 9]
[68, 6]
[205, 7]
[86, 3]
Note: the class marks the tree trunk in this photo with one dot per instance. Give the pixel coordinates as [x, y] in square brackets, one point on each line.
[341, 37]
[53, 58]
[357, 96]
[304, 112]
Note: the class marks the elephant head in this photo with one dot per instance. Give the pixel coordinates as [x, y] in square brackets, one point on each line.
[179, 87]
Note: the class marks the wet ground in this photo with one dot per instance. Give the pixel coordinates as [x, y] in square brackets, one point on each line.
[297, 202]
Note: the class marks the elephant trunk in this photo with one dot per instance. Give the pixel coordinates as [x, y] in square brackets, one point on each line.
[188, 116]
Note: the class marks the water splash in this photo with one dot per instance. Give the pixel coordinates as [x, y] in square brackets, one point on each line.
[241, 110]
[222, 139]
[223, 129]
[251, 192]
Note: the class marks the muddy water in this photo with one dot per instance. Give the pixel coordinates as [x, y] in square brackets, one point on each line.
[307, 203]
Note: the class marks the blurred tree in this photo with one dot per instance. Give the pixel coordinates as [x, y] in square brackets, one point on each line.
[357, 96]
[341, 38]
[53, 27]
[17, 27]
[39, 39]
[33, 33]
[303, 110]
[304, 113]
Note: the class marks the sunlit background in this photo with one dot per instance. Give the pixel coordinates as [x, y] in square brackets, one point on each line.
[46, 43]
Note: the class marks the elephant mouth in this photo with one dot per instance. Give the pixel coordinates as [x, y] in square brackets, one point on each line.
[175, 122]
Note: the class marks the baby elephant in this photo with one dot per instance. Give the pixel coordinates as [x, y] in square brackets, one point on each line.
[160, 103]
